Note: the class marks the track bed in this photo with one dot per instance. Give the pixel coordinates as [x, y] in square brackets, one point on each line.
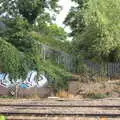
[108, 108]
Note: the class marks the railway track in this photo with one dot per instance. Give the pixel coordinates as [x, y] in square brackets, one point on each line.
[38, 109]
[58, 105]
[60, 114]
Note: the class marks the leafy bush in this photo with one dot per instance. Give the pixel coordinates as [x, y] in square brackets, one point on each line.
[51, 41]
[20, 44]
[56, 75]
[11, 60]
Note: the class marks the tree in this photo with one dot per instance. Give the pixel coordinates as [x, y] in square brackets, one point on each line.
[104, 15]
[57, 33]
[75, 18]
[17, 33]
[99, 38]
[29, 9]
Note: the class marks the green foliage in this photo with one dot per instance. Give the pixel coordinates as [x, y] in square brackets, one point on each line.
[18, 34]
[51, 41]
[96, 95]
[2, 117]
[75, 18]
[52, 30]
[75, 21]
[104, 15]
[29, 9]
[57, 33]
[20, 44]
[57, 75]
[11, 59]
[96, 29]
[42, 22]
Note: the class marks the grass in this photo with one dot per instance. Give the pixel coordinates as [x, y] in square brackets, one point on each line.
[64, 94]
[7, 97]
[2, 117]
[93, 95]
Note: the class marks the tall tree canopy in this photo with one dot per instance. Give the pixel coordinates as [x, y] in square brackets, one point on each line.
[75, 17]
[98, 35]
[29, 9]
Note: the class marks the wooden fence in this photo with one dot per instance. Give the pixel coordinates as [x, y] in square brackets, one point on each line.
[110, 70]
[60, 57]
[70, 63]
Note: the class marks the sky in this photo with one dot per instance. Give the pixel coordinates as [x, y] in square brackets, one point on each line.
[66, 5]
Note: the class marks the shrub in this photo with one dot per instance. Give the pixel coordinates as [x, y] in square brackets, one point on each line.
[11, 59]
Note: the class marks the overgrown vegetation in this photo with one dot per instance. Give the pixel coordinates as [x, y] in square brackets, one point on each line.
[11, 60]
[96, 95]
[96, 29]
[28, 26]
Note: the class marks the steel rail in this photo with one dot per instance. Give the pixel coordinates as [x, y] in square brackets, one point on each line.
[61, 114]
[58, 105]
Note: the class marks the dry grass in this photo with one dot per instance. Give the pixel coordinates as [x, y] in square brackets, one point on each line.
[64, 94]
[34, 96]
[100, 89]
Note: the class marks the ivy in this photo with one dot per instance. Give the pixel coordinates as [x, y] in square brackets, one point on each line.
[11, 60]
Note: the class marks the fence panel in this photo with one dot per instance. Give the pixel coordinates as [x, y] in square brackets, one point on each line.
[69, 62]
[110, 70]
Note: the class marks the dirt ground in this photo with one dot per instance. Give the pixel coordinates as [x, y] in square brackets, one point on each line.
[62, 118]
[100, 89]
[88, 93]
[97, 89]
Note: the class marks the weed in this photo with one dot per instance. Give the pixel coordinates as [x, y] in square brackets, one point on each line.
[95, 95]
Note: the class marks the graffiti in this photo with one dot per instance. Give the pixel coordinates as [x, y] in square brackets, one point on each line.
[4, 79]
[42, 81]
[32, 80]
